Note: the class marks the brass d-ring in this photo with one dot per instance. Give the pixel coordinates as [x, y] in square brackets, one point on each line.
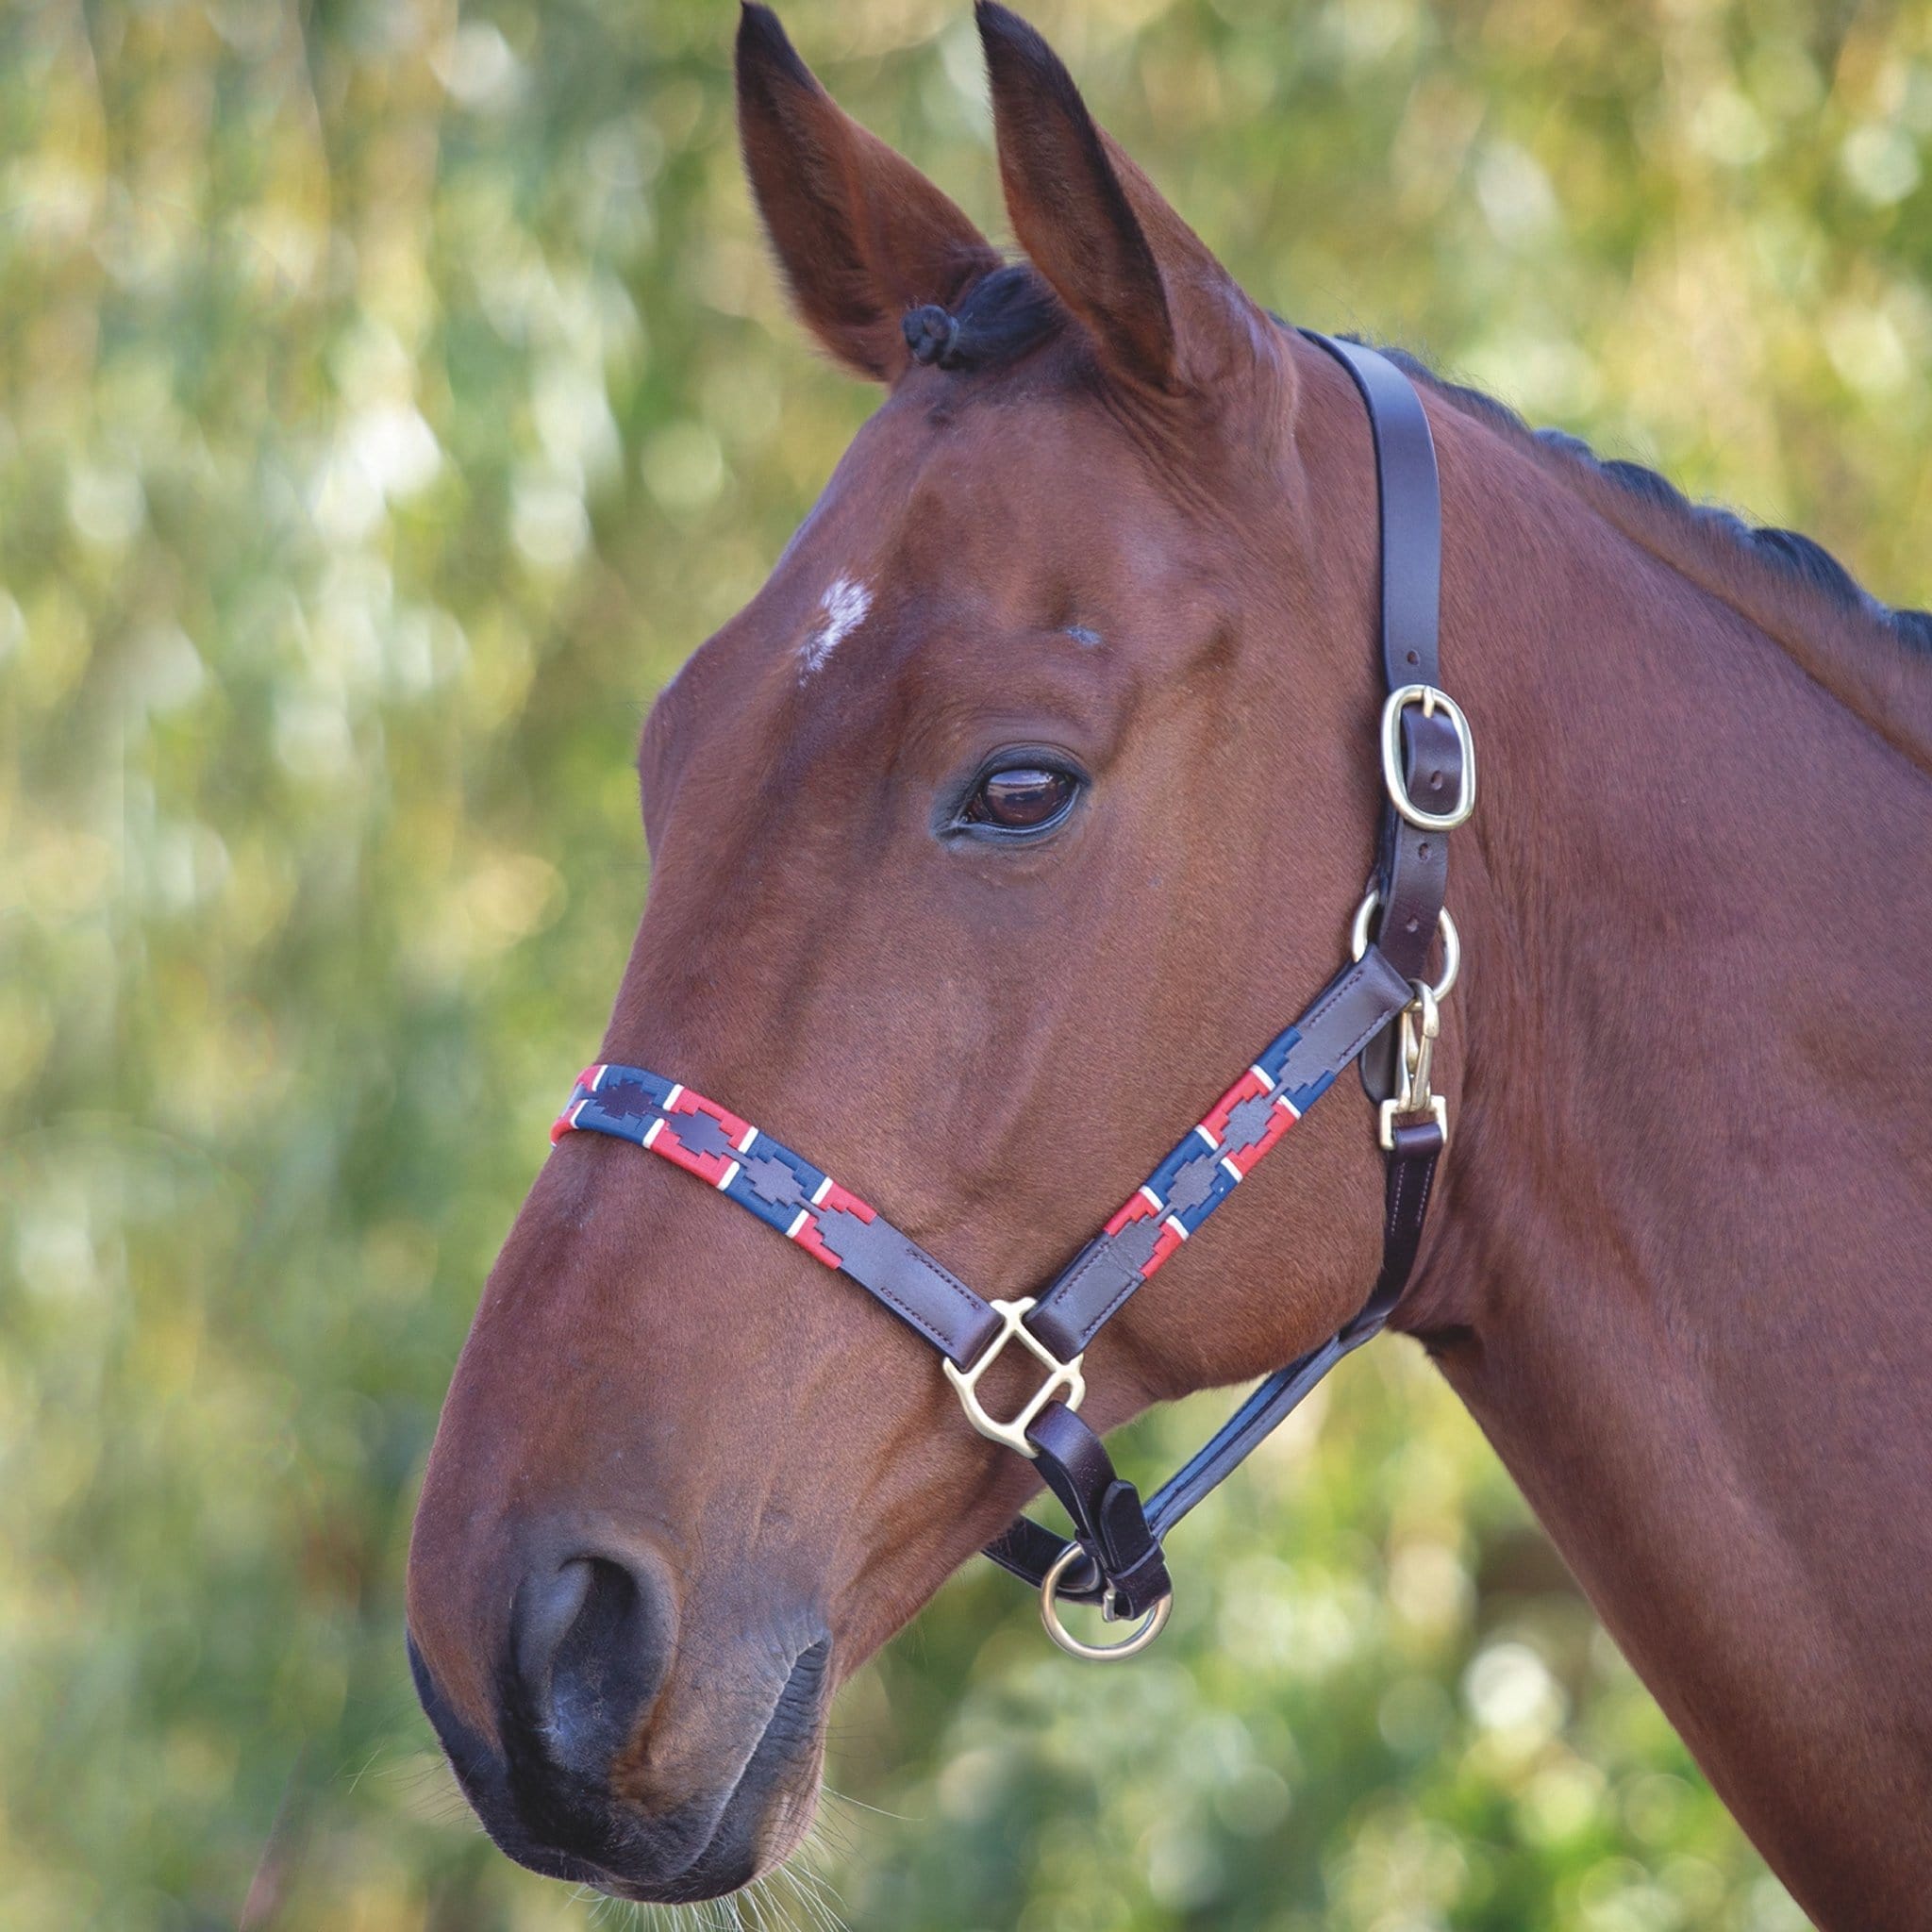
[1131, 1645]
[1452, 939]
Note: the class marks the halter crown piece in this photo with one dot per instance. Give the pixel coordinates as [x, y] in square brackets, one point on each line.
[1115, 1558]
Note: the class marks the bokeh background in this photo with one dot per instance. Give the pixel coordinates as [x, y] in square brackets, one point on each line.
[390, 396]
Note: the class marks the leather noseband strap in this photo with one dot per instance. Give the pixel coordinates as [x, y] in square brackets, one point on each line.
[1428, 770]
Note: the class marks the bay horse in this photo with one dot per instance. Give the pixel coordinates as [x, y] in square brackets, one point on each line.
[1028, 794]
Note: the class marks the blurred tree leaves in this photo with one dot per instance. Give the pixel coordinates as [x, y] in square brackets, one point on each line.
[390, 398]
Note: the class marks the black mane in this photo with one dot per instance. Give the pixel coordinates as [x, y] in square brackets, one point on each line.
[1012, 312]
[1806, 560]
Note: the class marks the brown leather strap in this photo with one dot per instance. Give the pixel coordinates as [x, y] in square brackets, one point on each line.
[1410, 506]
[1413, 865]
[1412, 1175]
[1346, 1014]
[1108, 1522]
[920, 1290]
[786, 1191]
[1410, 1182]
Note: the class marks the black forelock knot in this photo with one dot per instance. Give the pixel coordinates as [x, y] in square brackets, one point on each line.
[933, 335]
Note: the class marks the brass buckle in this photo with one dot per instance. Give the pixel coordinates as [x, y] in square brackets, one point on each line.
[1393, 778]
[1066, 1375]
[1422, 1025]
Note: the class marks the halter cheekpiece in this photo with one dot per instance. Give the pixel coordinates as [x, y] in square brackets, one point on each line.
[1115, 1558]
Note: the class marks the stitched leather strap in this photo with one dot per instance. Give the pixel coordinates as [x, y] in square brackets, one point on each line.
[1108, 1522]
[786, 1190]
[1297, 1068]
[1406, 1203]
[1409, 507]
[1413, 865]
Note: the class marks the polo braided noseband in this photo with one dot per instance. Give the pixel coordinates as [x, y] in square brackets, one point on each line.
[1115, 1558]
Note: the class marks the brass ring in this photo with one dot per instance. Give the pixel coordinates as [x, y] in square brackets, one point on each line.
[1132, 1644]
[1452, 940]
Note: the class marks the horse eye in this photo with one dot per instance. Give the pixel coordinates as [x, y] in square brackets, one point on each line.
[1022, 799]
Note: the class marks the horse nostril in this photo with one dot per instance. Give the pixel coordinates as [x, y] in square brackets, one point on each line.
[588, 1644]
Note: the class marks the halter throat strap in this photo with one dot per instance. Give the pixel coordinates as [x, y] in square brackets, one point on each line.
[1116, 1556]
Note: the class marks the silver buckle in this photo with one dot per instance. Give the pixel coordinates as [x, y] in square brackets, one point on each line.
[1066, 1375]
[1432, 700]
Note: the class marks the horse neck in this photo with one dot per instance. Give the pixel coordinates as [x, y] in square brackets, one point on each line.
[1681, 1271]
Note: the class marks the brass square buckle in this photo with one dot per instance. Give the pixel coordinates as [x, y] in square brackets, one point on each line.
[1064, 1375]
[1432, 700]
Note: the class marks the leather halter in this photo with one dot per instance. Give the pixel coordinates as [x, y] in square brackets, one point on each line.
[1116, 1557]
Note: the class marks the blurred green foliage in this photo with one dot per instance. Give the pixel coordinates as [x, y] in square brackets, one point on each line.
[389, 400]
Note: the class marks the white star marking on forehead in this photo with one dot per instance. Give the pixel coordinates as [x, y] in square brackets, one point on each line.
[840, 611]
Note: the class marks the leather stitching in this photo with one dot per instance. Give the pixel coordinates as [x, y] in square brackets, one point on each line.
[921, 1260]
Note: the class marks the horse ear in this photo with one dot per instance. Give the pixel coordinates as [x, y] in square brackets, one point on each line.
[1161, 309]
[861, 234]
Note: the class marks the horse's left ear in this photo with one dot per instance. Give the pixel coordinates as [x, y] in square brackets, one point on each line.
[1161, 311]
[861, 234]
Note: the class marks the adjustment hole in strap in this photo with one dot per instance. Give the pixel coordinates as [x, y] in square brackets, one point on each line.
[1431, 700]
[1452, 939]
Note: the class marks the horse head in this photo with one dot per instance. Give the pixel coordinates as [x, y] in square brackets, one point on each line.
[984, 843]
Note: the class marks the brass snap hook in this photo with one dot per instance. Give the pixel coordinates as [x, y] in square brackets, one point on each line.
[1422, 1025]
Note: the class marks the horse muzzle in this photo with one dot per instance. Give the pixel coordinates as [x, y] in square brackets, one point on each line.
[603, 1772]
